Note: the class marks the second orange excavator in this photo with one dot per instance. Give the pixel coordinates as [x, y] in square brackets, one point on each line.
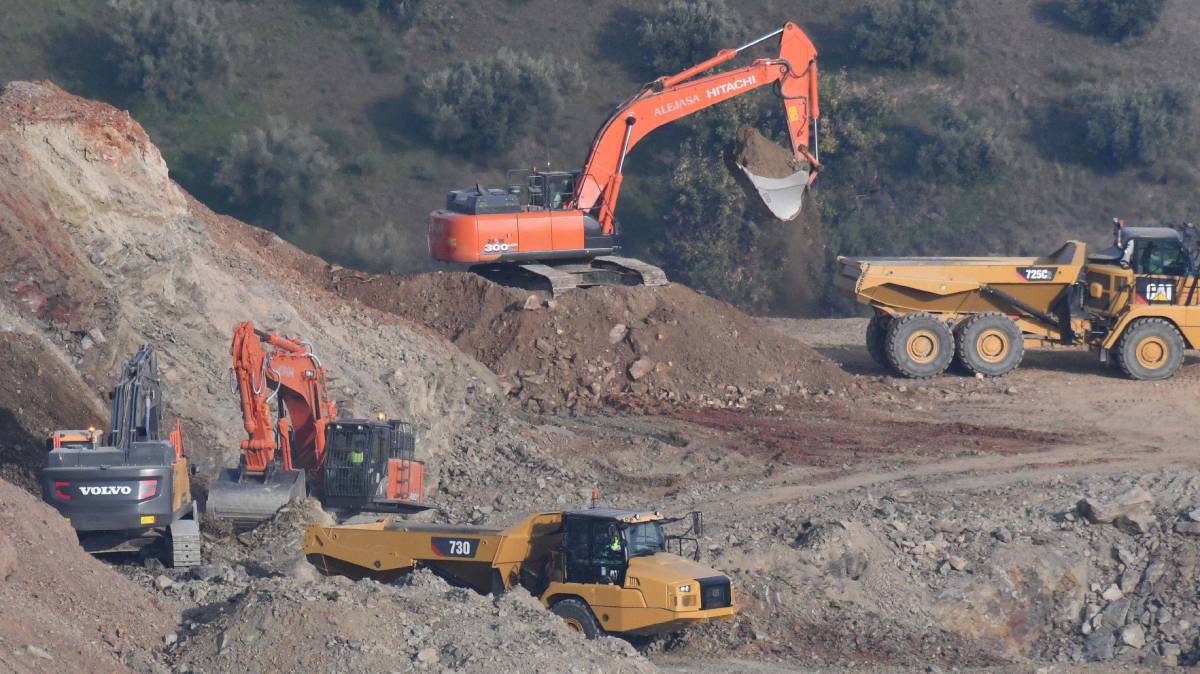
[561, 226]
[354, 464]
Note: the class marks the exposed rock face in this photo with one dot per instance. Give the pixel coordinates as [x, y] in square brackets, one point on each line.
[100, 252]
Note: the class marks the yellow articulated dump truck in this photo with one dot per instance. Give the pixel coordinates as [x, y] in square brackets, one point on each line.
[602, 570]
[1135, 302]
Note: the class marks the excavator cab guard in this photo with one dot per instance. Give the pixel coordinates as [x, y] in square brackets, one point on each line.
[371, 463]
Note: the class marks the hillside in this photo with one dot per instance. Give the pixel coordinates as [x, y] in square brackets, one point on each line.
[349, 74]
[867, 523]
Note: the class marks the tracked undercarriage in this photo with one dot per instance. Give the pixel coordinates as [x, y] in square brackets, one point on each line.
[563, 276]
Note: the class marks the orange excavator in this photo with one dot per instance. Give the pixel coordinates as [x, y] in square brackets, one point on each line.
[561, 226]
[352, 464]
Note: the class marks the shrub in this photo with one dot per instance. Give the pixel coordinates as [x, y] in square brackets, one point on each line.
[485, 105]
[1127, 126]
[685, 32]
[963, 149]
[398, 11]
[1116, 19]
[853, 118]
[907, 33]
[167, 48]
[276, 174]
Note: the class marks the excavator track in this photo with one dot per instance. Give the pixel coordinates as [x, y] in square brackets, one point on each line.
[562, 277]
[651, 275]
[184, 538]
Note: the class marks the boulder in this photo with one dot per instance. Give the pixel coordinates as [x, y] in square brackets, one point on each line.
[1136, 500]
[1015, 598]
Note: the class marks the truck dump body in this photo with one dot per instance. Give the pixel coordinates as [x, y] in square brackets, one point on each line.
[963, 284]
[644, 592]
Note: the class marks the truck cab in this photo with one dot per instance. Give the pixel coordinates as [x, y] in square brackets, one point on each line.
[1145, 266]
[620, 564]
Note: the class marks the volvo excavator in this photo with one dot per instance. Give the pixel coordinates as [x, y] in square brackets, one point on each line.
[561, 227]
[135, 491]
[352, 464]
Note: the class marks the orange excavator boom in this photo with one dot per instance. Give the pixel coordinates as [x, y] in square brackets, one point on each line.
[269, 367]
[671, 98]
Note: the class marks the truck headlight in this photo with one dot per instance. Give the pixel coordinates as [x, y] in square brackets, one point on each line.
[684, 589]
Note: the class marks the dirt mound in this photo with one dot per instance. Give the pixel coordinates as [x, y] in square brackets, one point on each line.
[62, 610]
[101, 252]
[421, 624]
[667, 343]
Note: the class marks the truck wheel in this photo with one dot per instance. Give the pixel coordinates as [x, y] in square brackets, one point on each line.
[578, 617]
[990, 345]
[1151, 349]
[877, 338]
[919, 346]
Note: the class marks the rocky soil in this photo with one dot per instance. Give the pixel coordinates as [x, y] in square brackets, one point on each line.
[1047, 521]
[63, 610]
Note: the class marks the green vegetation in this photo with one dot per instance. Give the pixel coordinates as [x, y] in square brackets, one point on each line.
[683, 33]
[1116, 19]
[907, 33]
[1124, 126]
[963, 149]
[168, 48]
[277, 175]
[485, 105]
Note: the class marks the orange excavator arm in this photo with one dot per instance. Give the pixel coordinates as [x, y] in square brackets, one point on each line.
[671, 98]
[269, 367]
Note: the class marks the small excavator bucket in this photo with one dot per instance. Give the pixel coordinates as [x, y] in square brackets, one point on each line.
[247, 501]
[782, 196]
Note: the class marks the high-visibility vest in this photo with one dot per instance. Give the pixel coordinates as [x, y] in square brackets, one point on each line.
[356, 458]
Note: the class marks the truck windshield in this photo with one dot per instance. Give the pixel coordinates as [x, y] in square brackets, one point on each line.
[645, 538]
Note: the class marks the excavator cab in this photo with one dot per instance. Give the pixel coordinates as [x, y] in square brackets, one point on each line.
[371, 465]
[541, 190]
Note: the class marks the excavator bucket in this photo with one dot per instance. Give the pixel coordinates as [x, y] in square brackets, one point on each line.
[247, 501]
[778, 176]
[784, 197]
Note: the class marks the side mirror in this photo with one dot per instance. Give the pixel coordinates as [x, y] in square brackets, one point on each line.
[1095, 290]
[697, 523]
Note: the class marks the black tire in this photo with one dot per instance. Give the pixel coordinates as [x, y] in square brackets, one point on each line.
[919, 346]
[1151, 349]
[578, 617]
[990, 345]
[877, 339]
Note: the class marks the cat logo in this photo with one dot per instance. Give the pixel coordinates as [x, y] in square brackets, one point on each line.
[1158, 292]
